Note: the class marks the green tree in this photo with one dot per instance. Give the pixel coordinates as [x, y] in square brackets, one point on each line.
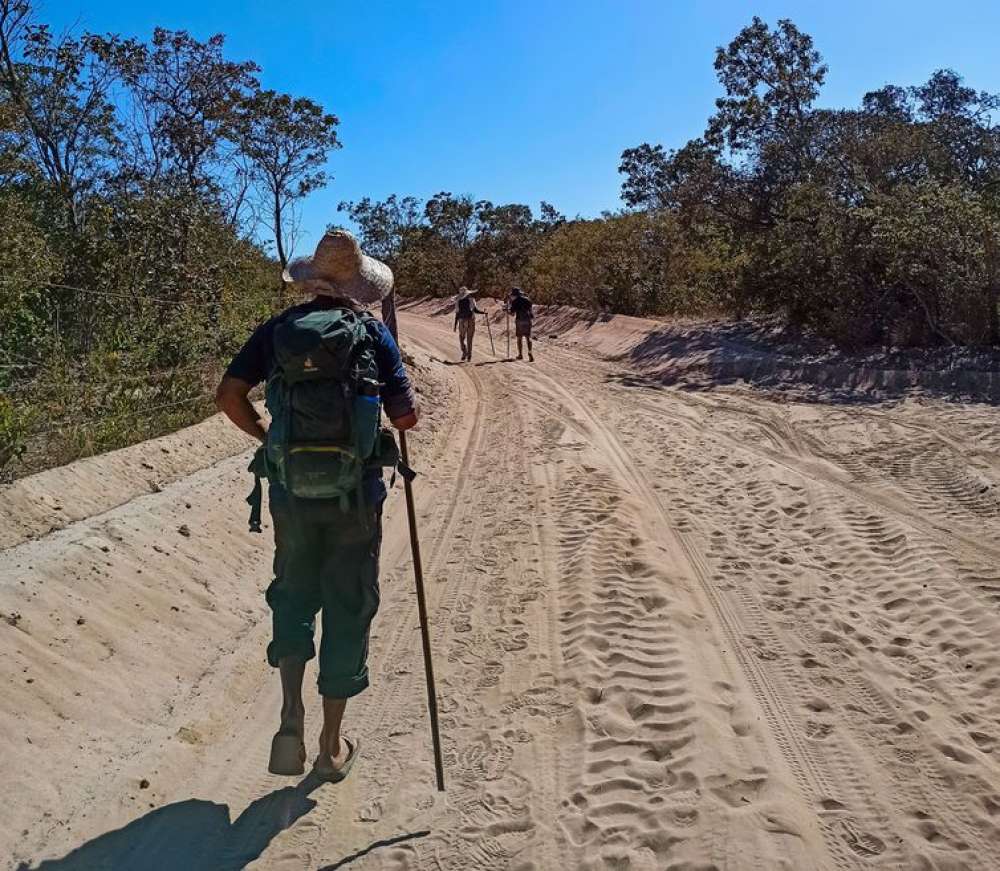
[505, 238]
[61, 93]
[383, 224]
[287, 141]
[771, 79]
[186, 97]
[452, 218]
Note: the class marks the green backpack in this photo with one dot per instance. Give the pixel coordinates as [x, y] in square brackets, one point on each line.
[323, 398]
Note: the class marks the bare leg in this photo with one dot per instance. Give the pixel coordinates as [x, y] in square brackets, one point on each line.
[293, 712]
[470, 333]
[520, 350]
[332, 751]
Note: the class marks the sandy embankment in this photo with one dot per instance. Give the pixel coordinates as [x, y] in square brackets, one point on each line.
[673, 629]
[713, 353]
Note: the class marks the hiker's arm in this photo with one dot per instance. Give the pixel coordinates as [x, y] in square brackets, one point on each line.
[398, 397]
[231, 399]
[247, 369]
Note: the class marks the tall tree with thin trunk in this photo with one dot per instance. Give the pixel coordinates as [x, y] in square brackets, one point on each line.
[59, 94]
[287, 140]
[187, 94]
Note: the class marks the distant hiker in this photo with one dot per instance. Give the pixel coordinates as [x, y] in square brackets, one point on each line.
[520, 306]
[328, 365]
[465, 320]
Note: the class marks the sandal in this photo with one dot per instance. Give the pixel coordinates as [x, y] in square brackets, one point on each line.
[328, 774]
[288, 754]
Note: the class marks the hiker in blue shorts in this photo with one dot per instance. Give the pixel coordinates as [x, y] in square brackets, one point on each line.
[330, 367]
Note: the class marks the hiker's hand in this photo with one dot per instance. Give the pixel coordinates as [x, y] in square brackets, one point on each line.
[407, 421]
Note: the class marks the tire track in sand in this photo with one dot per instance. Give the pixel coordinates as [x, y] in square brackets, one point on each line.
[905, 575]
[847, 843]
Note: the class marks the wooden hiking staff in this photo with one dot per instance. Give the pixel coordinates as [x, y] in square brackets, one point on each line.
[489, 332]
[389, 317]
[507, 309]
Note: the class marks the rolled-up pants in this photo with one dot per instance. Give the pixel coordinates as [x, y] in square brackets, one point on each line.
[325, 561]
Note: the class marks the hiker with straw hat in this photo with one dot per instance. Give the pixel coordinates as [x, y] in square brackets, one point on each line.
[330, 367]
[465, 320]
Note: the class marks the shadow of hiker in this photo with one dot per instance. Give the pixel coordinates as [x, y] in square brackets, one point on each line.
[192, 835]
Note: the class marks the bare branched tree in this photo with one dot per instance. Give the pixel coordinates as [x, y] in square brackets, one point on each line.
[288, 141]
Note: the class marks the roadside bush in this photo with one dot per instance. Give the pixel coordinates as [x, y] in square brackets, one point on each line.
[634, 263]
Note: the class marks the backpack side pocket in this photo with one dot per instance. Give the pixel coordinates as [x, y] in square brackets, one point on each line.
[386, 454]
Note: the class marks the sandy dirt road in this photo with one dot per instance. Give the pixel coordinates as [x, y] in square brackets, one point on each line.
[673, 630]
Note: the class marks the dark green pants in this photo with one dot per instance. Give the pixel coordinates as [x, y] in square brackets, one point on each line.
[325, 560]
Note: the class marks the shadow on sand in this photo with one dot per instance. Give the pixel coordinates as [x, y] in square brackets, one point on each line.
[480, 363]
[804, 392]
[197, 835]
[787, 364]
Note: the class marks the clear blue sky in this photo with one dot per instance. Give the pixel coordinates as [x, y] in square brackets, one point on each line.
[527, 100]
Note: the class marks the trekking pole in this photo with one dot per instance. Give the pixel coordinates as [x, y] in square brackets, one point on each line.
[486, 317]
[418, 571]
[506, 309]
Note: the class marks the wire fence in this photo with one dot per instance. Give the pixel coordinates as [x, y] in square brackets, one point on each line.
[40, 384]
[119, 295]
[83, 422]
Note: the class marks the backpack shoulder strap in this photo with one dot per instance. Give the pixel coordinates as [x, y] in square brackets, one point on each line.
[367, 318]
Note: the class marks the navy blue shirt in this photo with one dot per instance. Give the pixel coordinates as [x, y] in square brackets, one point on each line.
[255, 361]
[520, 307]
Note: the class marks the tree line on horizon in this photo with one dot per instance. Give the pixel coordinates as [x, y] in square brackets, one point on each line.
[873, 225]
[138, 179]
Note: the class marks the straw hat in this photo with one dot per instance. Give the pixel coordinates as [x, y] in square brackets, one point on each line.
[464, 292]
[339, 268]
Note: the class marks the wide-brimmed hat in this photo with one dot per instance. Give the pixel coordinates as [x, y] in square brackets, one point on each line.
[339, 268]
[463, 292]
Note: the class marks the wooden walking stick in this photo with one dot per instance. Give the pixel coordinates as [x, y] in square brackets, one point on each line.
[506, 308]
[486, 317]
[389, 317]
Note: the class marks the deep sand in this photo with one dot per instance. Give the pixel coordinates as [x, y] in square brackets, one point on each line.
[673, 629]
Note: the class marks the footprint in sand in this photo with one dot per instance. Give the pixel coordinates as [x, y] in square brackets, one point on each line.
[818, 731]
[738, 792]
[861, 842]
